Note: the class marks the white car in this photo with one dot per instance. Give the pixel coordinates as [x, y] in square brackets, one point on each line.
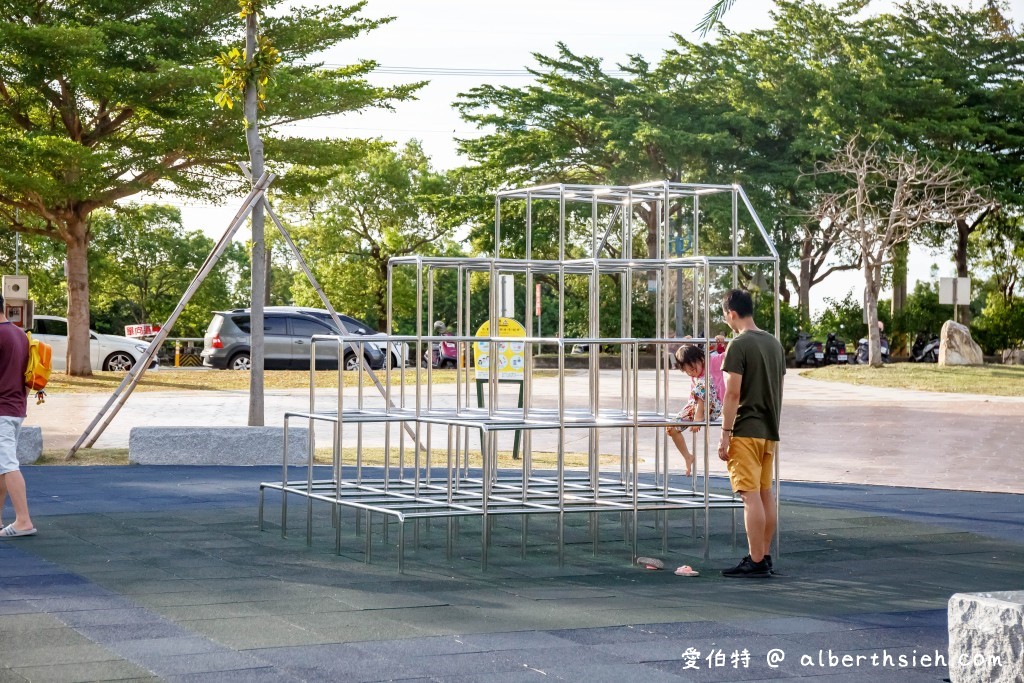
[107, 351]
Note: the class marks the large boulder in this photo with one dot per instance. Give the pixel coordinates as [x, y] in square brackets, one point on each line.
[985, 637]
[30, 445]
[956, 346]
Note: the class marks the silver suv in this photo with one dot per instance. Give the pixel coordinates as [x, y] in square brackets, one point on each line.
[399, 351]
[286, 343]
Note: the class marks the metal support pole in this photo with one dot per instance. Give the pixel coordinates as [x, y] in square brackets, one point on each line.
[131, 380]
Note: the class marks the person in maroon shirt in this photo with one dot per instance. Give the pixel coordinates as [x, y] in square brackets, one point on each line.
[13, 405]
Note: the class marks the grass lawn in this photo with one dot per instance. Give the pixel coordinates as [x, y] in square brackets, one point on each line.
[170, 379]
[994, 380]
[372, 457]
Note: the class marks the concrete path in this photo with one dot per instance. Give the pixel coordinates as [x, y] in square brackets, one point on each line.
[161, 573]
[832, 432]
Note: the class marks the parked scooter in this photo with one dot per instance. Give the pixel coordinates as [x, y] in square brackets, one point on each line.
[807, 352]
[862, 350]
[925, 349]
[835, 350]
[442, 354]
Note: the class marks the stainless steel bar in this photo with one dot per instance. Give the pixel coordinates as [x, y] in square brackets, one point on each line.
[131, 380]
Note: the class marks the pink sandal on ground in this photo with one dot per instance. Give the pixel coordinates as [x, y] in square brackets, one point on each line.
[687, 570]
[650, 562]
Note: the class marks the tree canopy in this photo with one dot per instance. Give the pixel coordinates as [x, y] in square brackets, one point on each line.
[762, 107]
[101, 100]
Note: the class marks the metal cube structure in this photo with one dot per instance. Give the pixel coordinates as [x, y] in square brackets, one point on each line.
[646, 239]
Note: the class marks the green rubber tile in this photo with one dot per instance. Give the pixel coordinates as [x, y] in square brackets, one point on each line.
[381, 600]
[540, 570]
[21, 623]
[345, 627]
[257, 584]
[44, 654]
[226, 571]
[83, 671]
[560, 592]
[255, 609]
[132, 587]
[157, 600]
[243, 633]
[134, 572]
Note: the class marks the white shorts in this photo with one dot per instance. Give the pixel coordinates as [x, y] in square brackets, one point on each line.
[10, 427]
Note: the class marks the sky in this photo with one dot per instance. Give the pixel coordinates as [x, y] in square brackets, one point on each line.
[457, 44]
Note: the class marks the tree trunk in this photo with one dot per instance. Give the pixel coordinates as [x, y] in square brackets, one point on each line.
[872, 281]
[258, 283]
[963, 232]
[900, 252]
[383, 324]
[651, 219]
[898, 341]
[79, 363]
[269, 275]
[804, 288]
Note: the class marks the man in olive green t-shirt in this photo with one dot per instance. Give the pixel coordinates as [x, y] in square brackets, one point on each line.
[754, 365]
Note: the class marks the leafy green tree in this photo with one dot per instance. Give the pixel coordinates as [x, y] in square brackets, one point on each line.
[100, 101]
[734, 110]
[844, 317]
[1001, 323]
[43, 261]
[966, 105]
[142, 262]
[389, 203]
[1001, 253]
[922, 313]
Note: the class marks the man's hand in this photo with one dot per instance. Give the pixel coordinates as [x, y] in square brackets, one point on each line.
[723, 447]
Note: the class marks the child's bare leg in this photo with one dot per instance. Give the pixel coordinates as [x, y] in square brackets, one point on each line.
[679, 439]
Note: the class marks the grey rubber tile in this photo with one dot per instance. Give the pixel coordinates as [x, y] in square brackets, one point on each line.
[521, 640]
[341, 662]
[148, 631]
[108, 617]
[143, 648]
[526, 676]
[266, 675]
[480, 663]
[8, 607]
[207, 662]
[797, 625]
[246, 633]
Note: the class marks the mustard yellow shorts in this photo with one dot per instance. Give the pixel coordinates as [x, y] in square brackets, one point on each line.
[751, 463]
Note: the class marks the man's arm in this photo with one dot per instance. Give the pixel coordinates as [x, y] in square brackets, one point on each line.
[730, 404]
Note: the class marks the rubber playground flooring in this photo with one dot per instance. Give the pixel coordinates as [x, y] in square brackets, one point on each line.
[161, 573]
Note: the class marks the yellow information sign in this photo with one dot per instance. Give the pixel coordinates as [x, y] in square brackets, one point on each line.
[511, 356]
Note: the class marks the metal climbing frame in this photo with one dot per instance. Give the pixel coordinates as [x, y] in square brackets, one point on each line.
[644, 240]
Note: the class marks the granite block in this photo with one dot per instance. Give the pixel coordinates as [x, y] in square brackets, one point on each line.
[30, 445]
[216, 445]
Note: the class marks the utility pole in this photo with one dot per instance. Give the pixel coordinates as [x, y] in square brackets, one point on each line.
[258, 255]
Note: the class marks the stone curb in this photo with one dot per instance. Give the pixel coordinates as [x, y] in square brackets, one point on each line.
[216, 445]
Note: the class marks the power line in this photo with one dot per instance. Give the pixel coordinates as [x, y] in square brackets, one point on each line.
[461, 71]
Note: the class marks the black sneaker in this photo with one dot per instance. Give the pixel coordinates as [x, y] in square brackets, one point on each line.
[771, 567]
[748, 569]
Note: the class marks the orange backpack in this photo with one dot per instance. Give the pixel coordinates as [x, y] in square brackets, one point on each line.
[40, 364]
